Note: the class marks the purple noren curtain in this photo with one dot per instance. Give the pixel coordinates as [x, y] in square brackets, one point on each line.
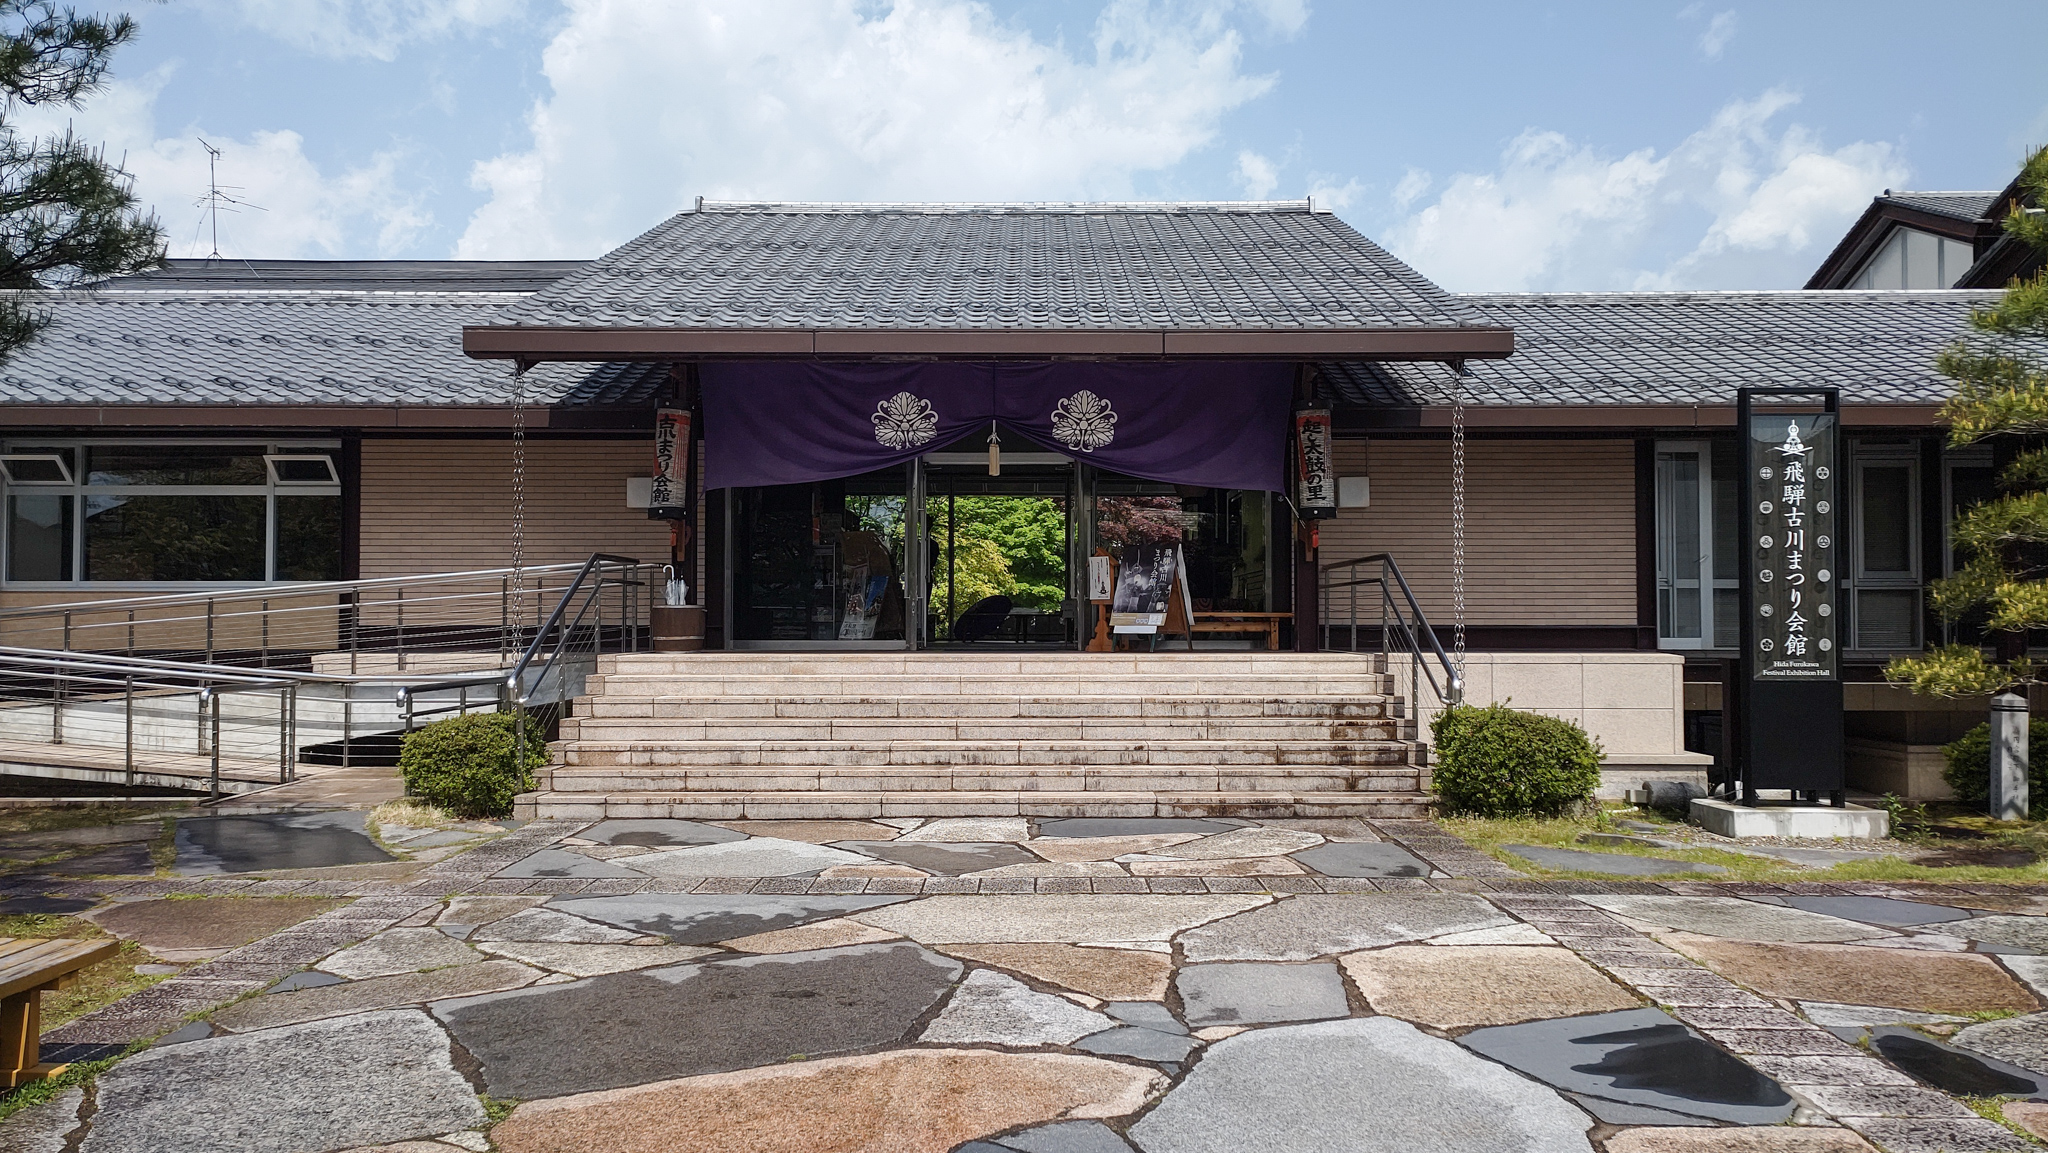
[1214, 424]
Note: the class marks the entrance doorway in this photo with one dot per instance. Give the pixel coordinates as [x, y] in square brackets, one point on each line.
[1001, 549]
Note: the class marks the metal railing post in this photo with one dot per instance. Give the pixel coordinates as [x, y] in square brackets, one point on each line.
[504, 617]
[264, 651]
[128, 724]
[284, 738]
[291, 741]
[57, 708]
[67, 630]
[131, 632]
[401, 628]
[348, 722]
[213, 785]
[209, 630]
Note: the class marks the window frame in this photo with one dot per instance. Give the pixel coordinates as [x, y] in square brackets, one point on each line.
[79, 490]
[1855, 578]
[1704, 451]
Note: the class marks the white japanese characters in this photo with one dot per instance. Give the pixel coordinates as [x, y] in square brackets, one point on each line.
[1793, 527]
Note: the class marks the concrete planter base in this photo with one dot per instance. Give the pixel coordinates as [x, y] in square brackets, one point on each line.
[1781, 819]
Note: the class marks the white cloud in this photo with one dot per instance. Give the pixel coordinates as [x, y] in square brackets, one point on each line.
[1414, 183]
[1720, 30]
[297, 209]
[1738, 203]
[914, 100]
[377, 29]
[1330, 196]
[1256, 175]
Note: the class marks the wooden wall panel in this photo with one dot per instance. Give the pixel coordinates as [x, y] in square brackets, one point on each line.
[1550, 533]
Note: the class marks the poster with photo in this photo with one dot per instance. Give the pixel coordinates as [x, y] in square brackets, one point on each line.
[1145, 587]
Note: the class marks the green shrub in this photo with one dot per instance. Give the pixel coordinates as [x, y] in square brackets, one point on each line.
[464, 765]
[1969, 768]
[1499, 762]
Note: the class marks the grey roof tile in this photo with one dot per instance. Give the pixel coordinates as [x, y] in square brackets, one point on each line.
[1689, 348]
[349, 275]
[1961, 205]
[326, 348]
[1089, 266]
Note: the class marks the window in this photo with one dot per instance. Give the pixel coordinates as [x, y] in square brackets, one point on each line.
[1910, 258]
[1698, 585]
[180, 512]
[1884, 531]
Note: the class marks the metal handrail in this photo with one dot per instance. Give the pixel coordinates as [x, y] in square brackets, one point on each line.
[1402, 626]
[279, 589]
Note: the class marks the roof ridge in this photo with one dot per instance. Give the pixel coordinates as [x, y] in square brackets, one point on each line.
[1930, 294]
[999, 207]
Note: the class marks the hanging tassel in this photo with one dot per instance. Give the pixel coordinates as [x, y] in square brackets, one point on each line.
[995, 452]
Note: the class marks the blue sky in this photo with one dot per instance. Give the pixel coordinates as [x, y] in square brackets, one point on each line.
[1495, 146]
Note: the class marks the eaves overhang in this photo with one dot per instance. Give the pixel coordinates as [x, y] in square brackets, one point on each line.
[534, 344]
[1362, 418]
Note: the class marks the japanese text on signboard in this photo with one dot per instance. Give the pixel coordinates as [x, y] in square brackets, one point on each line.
[669, 498]
[1792, 525]
[1315, 494]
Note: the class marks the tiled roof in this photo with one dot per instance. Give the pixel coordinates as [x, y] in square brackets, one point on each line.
[325, 348]
[998, 266]
[1961, 205]
[348, 275]
[1639, 348]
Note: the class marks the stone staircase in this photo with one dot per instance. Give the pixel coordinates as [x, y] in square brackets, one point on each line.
[724, 736]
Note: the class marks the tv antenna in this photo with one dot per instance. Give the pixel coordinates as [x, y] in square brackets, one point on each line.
[217, 198]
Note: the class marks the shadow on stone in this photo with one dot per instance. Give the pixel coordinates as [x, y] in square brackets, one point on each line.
[265, 842]
[1131, 826]
[658, 833]
[709, 919]
[943, 858]
[1952, 1070]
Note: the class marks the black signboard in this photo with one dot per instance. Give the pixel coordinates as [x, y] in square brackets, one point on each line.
[1790, 720]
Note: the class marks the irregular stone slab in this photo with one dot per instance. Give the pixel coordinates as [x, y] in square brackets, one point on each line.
[2029, 933]
[990, 1008]
[205, 923]
[1617, 1113]
[58, 906]
[1637, 1056]
[2029, 1115]
[833, 934]
[1754, 1139]
[1066, 1137]
[1310, 926]
[309, 979]
[2001, 903]
[120, 860]
[593, 960]
[1144, 1044]
[943, 858]
[696, 1018]
[1106, 974]
[1818, 858]
[872, 871]
[753, 857]
[313, 1004]
[1833, 1015]
[1329, 828]
[2021, 1041]
[28, 846]
[1146, 1015]
[1894, 978]
[1737, 918]
[1455, 987]
[906, 1101]
[1505, 935]
[1363, 859]
[2031, 969]
[543, 924]
[1104, 848]
[208, 846]
[1060, 919]
[562, 863]
[707, 919]
[362, 1080]
[1364, 1085]
[1057, 869]
[1142, 866]
[472, 911]
[42, 1128]
[1071, 827]
[1607, 864]
[814, 832]
[396, 951]
[1887, 911]
[971, 829]
[658, 833]
[1252, 992]
[1253, 842]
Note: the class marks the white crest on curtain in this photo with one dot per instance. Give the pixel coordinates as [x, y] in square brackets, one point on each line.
[904, 421]
[1083, 422]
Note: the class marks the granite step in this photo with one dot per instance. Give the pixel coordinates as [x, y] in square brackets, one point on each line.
[1099, 665]
[1000, 778]
[978, 729]
[714, 754]
[614, 703]
[698, 686]
[752, 805]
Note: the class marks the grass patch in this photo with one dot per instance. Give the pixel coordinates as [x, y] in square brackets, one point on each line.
[74, 1075]
[411, 812]
[496, 1109]
[98, 986]
[1490, 834]
[1993, 1109]
[41, 820]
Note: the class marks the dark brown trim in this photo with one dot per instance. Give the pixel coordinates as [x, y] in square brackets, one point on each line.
[351, 466]
[214, 416]
[1659, 416]
[1875, 226]
[1931, 525]
[1646, 534]
[533, 344]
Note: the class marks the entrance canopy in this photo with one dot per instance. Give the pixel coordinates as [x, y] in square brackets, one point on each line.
[1213, 424]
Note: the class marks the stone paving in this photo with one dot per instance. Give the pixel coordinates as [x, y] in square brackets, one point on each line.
[982, 985]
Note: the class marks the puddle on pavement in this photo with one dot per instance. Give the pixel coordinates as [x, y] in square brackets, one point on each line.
[1951, 1070]
[1669, 1060]
[212, 845]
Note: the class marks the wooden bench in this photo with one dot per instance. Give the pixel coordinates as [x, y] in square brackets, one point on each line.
[27, 967]
[1267, 623]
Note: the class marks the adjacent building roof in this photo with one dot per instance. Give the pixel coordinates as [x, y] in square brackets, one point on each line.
[1689, 348]
[980, 280]
[348, 276]
[1970, 206]
[287, 349]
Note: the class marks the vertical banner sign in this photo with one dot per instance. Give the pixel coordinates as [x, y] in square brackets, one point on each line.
[1315, 479]
[1798, 485]
[671, 494]
[1789, 721]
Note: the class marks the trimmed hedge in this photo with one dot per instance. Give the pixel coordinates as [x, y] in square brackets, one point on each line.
[1969, 768]
[1501, 762]
[464, 765]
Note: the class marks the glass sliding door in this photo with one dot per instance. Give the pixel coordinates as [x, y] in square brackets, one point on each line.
[1685, 518]
[822, 565]
[1225, 534]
